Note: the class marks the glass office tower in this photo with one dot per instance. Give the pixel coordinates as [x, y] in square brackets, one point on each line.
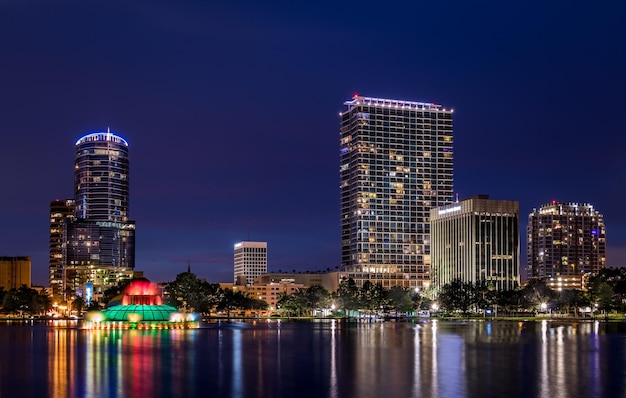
[476, 240]
[101, 177]
[396, 164]
[99, 241]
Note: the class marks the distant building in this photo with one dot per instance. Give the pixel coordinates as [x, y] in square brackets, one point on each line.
[476, 239]
[250, 261]
[14, 272]
[328, 280]
[396, 163]
[60, 210]
[272, 292]
[565, 239]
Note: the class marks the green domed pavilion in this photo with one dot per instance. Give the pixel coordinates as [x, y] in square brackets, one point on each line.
[140, 306]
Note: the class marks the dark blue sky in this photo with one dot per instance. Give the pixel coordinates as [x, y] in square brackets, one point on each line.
[231, 111]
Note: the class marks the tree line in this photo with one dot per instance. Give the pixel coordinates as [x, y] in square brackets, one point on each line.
[606, 292]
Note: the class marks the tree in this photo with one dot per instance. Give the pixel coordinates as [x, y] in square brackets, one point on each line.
[535, 293]
[373, 297]
[316, 297]
[484, 294]
[570, 300]
[24, 301]
[78, 304]
[291, 304]
[232, 300]
[348, 295]
[400, 299]
[189, 293]
[601, 294]
[457, 296]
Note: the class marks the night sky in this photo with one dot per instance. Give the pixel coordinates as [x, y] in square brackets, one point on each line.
[231, 111]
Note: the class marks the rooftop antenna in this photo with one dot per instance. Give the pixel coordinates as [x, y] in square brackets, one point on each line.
[457, 197]
[188, 266]
[109, 130]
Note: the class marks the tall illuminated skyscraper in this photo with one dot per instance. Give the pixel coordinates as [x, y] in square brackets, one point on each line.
[396, 164]
[99, 241]
[565, 239]
[101, 177]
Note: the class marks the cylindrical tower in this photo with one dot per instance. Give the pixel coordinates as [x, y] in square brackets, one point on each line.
[101, 177]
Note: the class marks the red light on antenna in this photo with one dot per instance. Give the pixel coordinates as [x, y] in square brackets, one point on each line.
[355, 95]
[553, 201]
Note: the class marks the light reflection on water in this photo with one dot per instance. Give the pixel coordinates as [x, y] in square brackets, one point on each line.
[322, 359]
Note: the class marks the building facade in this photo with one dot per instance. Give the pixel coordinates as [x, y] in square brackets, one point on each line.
[101, 177]
[250, 261]
[328, 280]
[98, 241]
[396, 164]
[14, 272]
[60, 210]
[272, 292]
[565, 239]
[100, 253]
[476, 240]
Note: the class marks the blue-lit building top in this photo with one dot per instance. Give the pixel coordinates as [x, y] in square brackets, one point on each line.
[101, 177]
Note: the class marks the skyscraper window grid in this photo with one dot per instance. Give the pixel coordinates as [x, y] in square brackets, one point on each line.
[396, 163]
[565, 239]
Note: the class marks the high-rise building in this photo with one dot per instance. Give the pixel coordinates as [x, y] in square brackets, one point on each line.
[101, 253]
[14, 272]
[99, 241]
[101, 177]
[250, 261]
[476, 240]
[60, 210]
[565, 239]
[396, 165]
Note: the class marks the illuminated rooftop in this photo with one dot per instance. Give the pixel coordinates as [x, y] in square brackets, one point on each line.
[391, 103]
[102, 136]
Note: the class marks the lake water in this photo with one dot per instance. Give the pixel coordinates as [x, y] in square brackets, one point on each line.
[317, 359]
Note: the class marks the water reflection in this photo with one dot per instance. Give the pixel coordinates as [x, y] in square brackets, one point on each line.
[325, 359]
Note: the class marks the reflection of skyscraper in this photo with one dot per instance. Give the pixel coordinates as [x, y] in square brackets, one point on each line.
[565, 239]
[396, 164]
[99, 242]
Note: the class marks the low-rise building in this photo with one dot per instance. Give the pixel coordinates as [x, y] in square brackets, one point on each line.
[14, 272]
[273, 291]
[328, 280]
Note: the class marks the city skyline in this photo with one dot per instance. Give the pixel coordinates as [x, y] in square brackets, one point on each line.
[231, 113]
